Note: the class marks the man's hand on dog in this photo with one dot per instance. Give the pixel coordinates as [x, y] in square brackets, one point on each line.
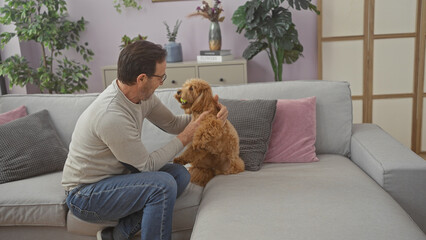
[186, 136]
[223, 111]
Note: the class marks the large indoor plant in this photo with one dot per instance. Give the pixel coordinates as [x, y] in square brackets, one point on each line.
[269, 26]
[45, 22]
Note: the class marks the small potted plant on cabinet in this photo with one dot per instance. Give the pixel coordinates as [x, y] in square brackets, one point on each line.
[174, 49]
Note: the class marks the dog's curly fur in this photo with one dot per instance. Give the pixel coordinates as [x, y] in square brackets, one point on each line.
[215, 147]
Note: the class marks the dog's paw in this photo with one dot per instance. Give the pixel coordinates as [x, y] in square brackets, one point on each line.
[201, 176]
[179, 160]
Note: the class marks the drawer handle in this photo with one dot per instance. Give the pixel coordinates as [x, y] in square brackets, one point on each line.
[221, 80]
[173, 82]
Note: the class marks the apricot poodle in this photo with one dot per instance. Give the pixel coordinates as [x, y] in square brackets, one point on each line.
[215, 147]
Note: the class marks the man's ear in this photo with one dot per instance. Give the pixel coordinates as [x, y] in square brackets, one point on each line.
[141, 77]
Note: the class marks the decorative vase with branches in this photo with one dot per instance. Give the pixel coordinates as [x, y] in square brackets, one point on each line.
[213, 14]
[174, 49]
[269, 26]
[45, 22]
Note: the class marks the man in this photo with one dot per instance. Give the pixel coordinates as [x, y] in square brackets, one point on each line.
[109, 175]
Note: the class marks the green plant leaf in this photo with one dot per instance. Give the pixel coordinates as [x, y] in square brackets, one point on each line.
[5, 38]
[314, 8]
[118, 4]
[276, 26]
[254, 10]
[270, 4]
[171, 35]
[126, 40]
[303, 4]
[253, 49]
[239, 18]
[292, 56]
[16, 68]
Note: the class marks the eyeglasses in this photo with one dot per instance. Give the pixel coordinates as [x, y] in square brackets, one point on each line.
[163, 78]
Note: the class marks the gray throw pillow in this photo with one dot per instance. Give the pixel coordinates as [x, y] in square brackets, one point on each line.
[30, 146]
[253, 121]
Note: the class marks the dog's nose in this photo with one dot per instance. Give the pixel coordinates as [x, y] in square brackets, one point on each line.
[179, 92]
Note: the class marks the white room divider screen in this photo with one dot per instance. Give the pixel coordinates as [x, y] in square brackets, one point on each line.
[378, 46]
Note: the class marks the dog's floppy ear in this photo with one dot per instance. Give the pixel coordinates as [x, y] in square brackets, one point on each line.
[203, 100]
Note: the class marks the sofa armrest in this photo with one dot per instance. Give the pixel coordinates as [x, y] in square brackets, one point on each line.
[399, 171]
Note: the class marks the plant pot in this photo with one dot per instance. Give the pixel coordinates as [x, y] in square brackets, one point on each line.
[174, 52]
[215, 37]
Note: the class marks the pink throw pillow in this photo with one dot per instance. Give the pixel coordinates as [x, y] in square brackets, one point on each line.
[13, 115]
[293, 132]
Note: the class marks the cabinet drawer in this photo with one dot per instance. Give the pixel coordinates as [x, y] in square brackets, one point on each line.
[177, 76]
[221, 75]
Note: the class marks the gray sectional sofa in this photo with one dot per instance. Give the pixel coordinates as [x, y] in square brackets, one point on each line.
[366, 185]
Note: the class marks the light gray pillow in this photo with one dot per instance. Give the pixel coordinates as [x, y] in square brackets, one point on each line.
[253, 121]
[30, 146]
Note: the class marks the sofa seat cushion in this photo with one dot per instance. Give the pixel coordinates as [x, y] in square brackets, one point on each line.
[331, 199]
[185, 211]
[36, 201]
[186, 208]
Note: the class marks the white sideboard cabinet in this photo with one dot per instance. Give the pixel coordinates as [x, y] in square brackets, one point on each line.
[224, 73]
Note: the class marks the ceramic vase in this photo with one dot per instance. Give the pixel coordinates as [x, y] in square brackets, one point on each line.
[174, 52]
[215, 37]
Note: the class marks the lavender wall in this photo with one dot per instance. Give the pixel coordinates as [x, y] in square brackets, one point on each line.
[106, 27]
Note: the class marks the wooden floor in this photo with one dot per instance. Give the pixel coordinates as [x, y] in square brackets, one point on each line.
[423, 155]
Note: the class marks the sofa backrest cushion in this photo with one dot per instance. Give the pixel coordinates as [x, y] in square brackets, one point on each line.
[293, 132]
[253, 121]
[64, 109]
[30, 147]
[13, 114]
[333, 109]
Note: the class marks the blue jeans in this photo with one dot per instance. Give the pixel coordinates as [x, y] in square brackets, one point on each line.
[139, 201]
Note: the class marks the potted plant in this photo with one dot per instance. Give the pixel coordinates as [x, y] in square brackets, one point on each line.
[269, 26]
[45, 23]
[174, 49]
